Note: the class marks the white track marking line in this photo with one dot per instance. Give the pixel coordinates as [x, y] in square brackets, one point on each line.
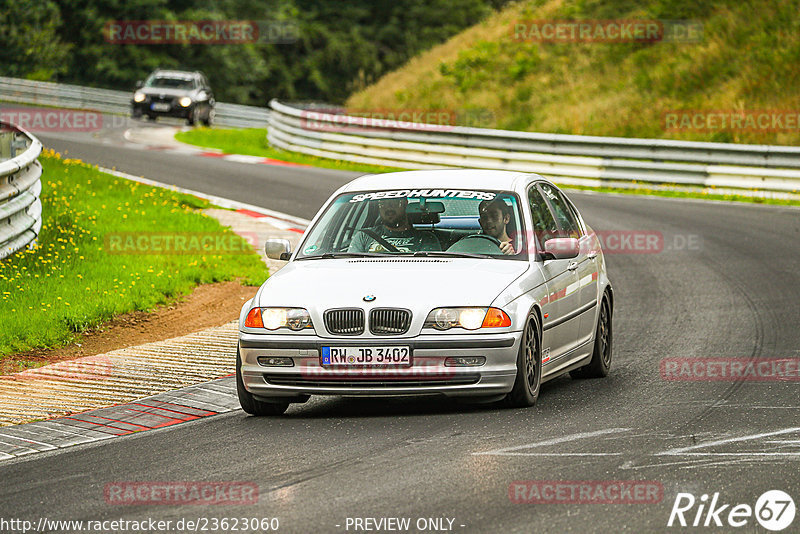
[26, 440]
[508, 451]
[686, 450]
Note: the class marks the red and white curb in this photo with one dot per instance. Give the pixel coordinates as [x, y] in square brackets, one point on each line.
[282, 221]
[158, 411]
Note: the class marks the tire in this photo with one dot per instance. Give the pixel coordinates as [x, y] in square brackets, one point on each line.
[529, 367]
[136, 114]
[190, 119]
[209, 120]
[249, 403]
[152, 118]
[600, 364]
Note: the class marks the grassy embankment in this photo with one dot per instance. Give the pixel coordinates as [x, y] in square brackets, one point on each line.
[745, 60]
[73, 280]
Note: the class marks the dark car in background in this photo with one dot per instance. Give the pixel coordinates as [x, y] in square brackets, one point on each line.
[174, 93]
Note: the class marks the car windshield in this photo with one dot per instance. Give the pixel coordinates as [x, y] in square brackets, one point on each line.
[164, 82]
[419, 222]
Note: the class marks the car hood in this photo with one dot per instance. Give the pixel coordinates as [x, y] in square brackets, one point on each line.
[412, 283]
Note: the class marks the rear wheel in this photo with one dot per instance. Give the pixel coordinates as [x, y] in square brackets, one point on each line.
[601, 355]
[249, 403]
[529, 367]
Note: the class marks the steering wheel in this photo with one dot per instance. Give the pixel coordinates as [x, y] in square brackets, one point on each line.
[483, 236]
[385, 244]
[470, 244]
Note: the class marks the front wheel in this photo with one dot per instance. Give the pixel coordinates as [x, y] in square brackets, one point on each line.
[249, 403]
[529, 367]
[209, 120]
[601, 355]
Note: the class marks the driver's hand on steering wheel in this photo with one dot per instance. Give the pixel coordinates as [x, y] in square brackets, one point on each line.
[506, 248]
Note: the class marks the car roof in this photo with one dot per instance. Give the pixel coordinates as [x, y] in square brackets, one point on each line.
[447, 179]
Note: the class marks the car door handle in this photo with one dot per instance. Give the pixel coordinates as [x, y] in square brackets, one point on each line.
[572, 265]
[592, 255]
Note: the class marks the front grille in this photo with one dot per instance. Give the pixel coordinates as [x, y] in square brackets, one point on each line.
[351, 382]
[387, 321]
[345, 321]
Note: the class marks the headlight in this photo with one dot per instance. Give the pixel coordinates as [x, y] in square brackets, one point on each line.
[467, 318]
[138, 97]
[185, 101]
[274, 318]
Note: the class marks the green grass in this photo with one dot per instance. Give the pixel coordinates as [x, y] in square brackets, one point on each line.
[71, 281]
[253, 142]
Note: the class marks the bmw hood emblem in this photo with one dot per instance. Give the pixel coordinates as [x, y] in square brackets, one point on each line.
[369, 298]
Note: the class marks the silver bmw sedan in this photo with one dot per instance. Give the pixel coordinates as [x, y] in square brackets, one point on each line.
[464, 283]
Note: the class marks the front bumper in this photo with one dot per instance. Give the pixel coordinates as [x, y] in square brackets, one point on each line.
[427, 375]
[175, 110]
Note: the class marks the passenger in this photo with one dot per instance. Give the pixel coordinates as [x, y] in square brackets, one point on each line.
[495, 216]
[394, 229]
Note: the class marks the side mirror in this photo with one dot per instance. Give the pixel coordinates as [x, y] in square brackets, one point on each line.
[139, 85]
[562, 248]
[278, 249]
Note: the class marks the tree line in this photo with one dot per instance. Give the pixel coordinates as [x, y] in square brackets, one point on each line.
[330, 48]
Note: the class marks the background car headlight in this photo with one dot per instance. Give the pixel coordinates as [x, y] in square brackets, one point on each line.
[185, 101]
[139, 97]
[467, 318]
[274, 318]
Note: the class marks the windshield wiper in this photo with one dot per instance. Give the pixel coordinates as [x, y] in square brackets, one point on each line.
[332, 255]
[445, 254]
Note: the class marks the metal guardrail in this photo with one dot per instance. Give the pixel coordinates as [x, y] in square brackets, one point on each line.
[20, 187]
[571, 159]
[108, 101]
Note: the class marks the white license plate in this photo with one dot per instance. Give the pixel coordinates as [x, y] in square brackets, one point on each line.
[366, 356]
[160, 106]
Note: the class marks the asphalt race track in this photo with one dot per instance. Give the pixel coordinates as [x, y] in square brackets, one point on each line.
[724, 283]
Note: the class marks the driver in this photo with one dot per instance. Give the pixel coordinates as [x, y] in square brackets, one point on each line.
[395, 230]
[494, 218]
